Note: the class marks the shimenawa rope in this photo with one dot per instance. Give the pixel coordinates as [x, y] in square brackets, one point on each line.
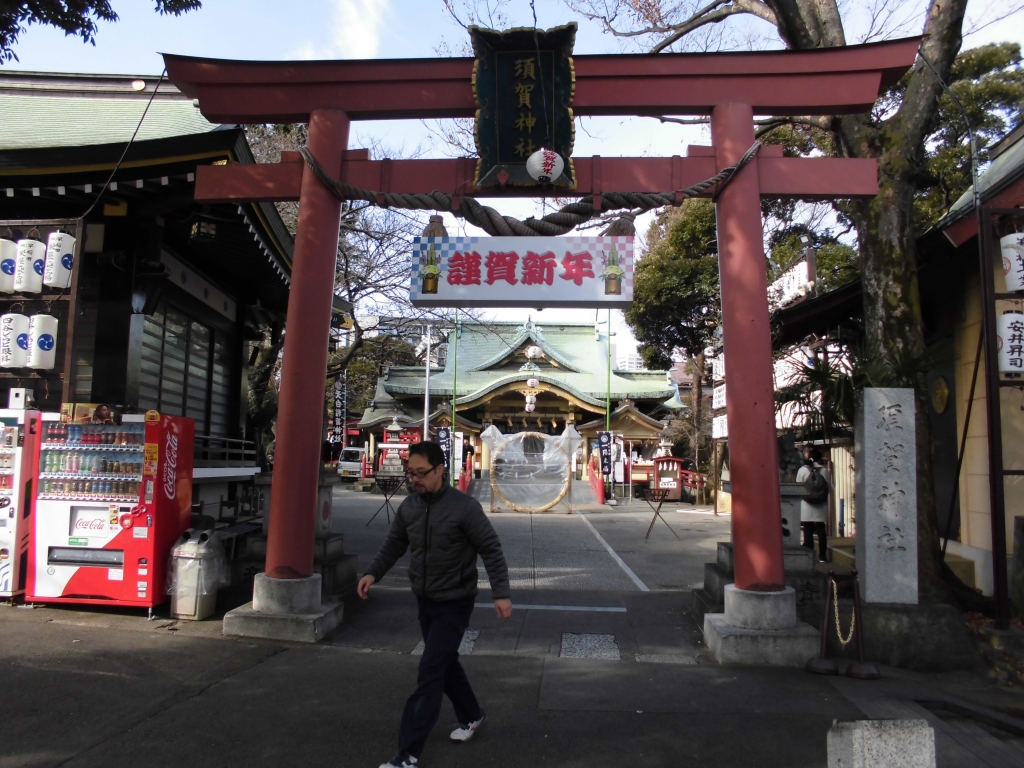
[557, 223]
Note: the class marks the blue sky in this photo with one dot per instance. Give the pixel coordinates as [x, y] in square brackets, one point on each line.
[271, 29]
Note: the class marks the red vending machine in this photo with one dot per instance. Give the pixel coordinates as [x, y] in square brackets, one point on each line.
[19, 431]
[111, 502]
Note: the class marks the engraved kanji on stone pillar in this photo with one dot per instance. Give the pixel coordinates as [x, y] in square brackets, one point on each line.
[887, 496]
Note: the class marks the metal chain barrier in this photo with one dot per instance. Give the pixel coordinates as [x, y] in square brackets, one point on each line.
[853, 618]
[557, 223]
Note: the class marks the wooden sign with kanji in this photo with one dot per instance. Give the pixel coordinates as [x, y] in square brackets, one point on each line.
[523, 83]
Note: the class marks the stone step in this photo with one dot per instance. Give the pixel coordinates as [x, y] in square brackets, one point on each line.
[795, 559]
[703, 603]
[715, 579]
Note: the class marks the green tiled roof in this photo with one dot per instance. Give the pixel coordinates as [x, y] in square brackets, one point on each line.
[36, 121]
[482, 367]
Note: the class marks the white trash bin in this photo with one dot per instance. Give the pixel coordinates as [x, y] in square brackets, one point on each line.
[197, 570]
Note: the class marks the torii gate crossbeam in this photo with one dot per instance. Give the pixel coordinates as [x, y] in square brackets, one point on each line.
[730, 87]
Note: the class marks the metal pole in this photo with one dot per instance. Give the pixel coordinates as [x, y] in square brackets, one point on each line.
[426, 392]
[608, 412]
[608, 396]
[455, 378]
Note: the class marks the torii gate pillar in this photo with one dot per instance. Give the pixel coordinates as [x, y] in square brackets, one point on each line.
[300, 409]
[750, 394]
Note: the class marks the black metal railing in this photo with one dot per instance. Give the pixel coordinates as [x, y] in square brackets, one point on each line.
[223, 452]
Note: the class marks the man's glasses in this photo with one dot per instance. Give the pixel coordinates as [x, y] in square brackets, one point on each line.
[419, 475]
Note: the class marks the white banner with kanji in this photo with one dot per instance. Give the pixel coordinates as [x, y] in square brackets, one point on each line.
[578, 271]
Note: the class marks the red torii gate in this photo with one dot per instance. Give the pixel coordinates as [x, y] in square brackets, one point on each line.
[731, 87]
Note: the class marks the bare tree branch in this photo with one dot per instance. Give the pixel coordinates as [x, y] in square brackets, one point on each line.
[976, 25]
[708, 15]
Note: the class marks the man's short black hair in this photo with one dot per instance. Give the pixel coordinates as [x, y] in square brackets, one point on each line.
[430, 451]
[816, 455]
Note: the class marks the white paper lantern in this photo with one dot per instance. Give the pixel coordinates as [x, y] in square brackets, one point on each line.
[60, 260]
[531, 399]
[1010, 342]
[545, 165]
[8, 262]
[1012, 247]
[13, 340]
[42, 341]
[28, 270]
[533, 352]
[533, 383]
[530, 407]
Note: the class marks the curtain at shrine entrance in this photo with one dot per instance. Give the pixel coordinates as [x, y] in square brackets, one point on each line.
[531, 471]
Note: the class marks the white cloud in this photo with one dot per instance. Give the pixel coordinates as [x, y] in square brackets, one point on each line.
[355, 32]
[357, 24]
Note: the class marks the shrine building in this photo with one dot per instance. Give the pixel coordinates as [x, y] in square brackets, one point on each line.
[489, 372]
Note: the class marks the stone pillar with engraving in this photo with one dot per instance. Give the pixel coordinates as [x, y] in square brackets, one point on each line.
[887, 496]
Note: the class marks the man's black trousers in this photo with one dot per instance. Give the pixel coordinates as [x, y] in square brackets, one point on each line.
[443, 625]
[812, 528]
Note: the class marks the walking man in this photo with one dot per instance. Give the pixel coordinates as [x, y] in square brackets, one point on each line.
[445, 530]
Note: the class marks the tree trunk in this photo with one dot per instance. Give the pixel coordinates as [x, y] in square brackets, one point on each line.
[892, 303]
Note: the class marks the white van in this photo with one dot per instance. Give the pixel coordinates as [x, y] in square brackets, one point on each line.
[350, 463]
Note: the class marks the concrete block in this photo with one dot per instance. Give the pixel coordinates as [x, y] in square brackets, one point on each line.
[703, 603]
[881, 744]
[340, 577]
[798, 559]
[725, 557]
[747, 609]
[715, 580]
[777, 648]
[286, 596]
[930, 637]
[310, 627]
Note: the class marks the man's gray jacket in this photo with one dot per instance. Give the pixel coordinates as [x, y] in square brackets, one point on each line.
[445, 531]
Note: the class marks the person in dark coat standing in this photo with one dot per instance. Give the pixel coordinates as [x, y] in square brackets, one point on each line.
[445, 530]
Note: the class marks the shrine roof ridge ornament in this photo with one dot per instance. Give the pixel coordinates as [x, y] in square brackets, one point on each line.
[840, 80]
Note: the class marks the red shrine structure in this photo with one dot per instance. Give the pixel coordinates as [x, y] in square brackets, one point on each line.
[730, 87]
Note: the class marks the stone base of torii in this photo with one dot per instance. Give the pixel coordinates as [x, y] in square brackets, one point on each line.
[731, 88]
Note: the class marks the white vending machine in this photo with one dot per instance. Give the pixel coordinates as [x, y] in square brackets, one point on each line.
[19, 433]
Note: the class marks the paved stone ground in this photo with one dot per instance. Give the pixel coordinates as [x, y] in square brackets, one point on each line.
[89, 687]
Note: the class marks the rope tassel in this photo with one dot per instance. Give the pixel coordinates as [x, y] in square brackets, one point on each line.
[552, 225]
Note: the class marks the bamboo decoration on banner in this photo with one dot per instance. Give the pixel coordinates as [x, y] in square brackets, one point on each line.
[821, 664]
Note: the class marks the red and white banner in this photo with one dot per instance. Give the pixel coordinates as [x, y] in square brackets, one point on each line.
[580, 271]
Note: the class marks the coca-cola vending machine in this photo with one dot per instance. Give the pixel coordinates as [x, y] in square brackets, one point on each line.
[19, 430]
[112, 499]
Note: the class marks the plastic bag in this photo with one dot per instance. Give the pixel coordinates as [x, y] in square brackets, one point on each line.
[197, 565]
[530, 471]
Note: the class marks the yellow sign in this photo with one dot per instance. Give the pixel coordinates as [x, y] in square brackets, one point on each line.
[151, 458]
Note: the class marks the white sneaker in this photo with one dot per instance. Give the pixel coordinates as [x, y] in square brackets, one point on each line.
[465, 732]
[401, 761]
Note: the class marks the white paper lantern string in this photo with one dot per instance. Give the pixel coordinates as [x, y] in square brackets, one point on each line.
[1010, 342]
[13, 340]
[28, 270]
[42, 342]
[545, 165]
[1012, 247]
[60, 260]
